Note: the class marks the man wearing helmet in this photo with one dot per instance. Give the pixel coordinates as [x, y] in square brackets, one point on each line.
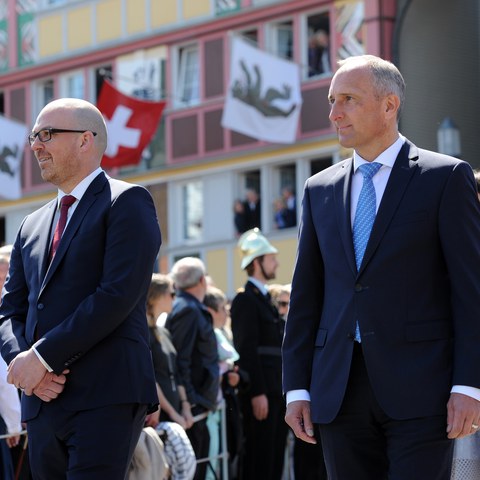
[257, 334]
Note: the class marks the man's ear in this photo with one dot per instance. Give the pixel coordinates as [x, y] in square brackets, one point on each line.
[392, 104]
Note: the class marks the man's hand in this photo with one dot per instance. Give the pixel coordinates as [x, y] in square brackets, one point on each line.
[51, 386]
[26, 371]
[463, 415]
[260, 407]
[298, 418]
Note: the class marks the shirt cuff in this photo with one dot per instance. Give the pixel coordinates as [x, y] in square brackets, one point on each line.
[294, 395]
[44, 363]
[469, 391]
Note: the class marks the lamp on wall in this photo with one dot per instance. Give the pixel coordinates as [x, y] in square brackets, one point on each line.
[448, 138]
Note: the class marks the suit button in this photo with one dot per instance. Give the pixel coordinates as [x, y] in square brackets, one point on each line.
[40, 306]
[358, 287]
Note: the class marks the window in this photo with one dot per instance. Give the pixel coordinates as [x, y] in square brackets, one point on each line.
[317, 53]
[192, 210]
[281, 38]
[101, 73]
[73, 85]
[285, 201]
[247, 212]
[188, 76]
[43, 93]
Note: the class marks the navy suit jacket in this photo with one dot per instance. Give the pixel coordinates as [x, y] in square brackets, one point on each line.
[415, 296]
[86, 310]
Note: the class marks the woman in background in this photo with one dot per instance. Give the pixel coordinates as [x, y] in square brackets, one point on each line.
[174, 406]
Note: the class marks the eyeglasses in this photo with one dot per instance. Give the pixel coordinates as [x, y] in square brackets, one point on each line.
[283, 304]
[45, 135]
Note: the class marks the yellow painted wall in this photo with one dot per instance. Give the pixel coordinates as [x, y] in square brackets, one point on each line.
[163, 13]
[216, 263]
[50, 35]
[195, 8]
[79, 27]
[287, 250]
[109, 20]
[136, 16]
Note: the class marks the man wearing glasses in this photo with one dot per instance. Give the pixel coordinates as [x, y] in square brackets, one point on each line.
[72, 319]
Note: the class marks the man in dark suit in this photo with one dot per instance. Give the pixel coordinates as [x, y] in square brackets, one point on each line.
[384, 356]
[191, 327]
[73, 326]
[252, 210]
[257, 334]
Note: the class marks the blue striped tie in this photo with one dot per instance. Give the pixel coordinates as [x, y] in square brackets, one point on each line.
[364, 217]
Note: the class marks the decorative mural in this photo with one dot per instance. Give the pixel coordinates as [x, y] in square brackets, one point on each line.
[3, 37]
[26, 32]
[226, 6]
[349, 28]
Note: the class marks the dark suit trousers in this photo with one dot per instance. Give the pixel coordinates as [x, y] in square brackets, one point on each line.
[95, 444]
[365, 444]
[265, 440]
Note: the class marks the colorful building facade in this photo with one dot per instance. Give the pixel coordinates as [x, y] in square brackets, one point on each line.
[179, 51]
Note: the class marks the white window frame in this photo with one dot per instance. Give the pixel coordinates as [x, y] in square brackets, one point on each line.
[40, 96]
[187, 76]
[274, 30]
[69, 77]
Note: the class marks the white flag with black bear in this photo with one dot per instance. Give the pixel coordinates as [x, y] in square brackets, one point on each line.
[12, 146]
[264, 97]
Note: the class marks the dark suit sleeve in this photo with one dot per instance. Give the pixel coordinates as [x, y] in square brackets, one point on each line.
[183, 326]
[132, 239]
[459, 230]
[306, 303]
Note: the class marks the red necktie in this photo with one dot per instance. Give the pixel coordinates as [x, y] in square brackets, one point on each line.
[65, 203]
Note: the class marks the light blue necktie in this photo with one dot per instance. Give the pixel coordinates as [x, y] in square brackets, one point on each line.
[364, 217]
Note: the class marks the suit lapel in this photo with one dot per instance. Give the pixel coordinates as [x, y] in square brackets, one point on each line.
[403, 169]
[83, 207]
[45, 234]
[342, 194]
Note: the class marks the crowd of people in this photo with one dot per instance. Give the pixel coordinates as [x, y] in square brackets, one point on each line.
[247, 212]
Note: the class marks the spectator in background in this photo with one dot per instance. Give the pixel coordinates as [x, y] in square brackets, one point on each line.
[280, 213]
[239, 217]
[252, 209]
[308, 463]
[318, 53]
[9, 400]
[257, 334]
[216, 302]
[191, 328]
[174, 406]
[288, 195]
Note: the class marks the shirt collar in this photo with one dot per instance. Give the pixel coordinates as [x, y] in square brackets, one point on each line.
[387, 157]
[261, 286]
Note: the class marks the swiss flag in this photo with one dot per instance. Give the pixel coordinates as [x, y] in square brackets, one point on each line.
[131, 124]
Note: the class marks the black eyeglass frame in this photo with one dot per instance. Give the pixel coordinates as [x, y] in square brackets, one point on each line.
[33, 136]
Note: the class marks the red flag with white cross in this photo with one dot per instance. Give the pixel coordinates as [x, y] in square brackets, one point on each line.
[131, 125]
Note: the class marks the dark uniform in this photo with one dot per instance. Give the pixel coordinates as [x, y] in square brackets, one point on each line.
[257, 333]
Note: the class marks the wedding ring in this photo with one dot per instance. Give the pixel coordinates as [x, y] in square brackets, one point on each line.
[475, 426]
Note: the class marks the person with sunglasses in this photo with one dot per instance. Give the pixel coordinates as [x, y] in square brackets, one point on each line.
[72, 318]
